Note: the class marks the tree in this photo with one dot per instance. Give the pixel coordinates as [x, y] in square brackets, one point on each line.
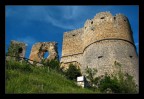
[72, 72]
[90, 75]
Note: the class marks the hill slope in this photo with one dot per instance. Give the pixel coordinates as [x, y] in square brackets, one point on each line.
[23, 78]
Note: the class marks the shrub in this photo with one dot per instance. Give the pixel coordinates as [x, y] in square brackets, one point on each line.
[72, 72]
[13, 51]
[90, 73]
[53, 64]
[120, 83]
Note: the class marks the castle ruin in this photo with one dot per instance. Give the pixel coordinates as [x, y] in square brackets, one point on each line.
[16, 50]
[103, 41]
[39, 49]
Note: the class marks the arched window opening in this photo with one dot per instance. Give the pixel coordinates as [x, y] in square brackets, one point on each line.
[20, 50]
[46, 54]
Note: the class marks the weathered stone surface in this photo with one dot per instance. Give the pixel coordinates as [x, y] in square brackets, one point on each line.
[102, 41]
[16, 50]
[39, 49]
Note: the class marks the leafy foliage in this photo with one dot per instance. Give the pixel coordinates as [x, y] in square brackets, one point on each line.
[118, 83]
[13, 50]
[72, 72]
[90, 75]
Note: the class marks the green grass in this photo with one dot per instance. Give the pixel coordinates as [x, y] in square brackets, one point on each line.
[23, 78]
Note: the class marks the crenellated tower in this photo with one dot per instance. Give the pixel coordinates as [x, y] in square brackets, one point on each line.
[102, 42]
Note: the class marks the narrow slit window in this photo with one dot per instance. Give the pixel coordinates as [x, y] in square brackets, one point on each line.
[100, 56]
[130, 56]
[20, 50]
[91, 22]
[114, 18]
[102, 17]
[73, 35]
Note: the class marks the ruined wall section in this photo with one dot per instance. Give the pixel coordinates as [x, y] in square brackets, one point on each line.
[16, 50]
[34, 52]
[71, 59]
[39, 49]
[72, 42]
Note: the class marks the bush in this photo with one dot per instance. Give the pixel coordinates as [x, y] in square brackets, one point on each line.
[53, 64]
[120, 83]
[90, 75]
[72, 72]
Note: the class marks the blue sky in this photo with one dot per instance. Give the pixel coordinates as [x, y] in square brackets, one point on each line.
[32, 24]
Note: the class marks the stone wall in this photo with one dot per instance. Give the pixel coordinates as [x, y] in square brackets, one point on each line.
[72, 42]
[72, 59]
[103, 40]
[103, 55]
[16, 50]
[105, 26]
[38, 50]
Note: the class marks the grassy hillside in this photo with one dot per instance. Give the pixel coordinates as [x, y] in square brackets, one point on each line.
[24, 78]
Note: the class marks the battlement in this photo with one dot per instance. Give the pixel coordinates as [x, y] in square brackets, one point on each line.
[103, 26]
[73, 33]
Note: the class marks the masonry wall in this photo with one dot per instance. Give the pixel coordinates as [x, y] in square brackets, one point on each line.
[102, 56]
[72, 59]
[16, 49]
[72, 42]
[39, 49]
[103, 40]
[105, 26]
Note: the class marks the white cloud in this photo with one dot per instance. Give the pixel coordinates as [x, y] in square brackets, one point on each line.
[66, 17]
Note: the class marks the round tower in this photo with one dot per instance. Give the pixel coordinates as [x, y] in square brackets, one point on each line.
[107, 42]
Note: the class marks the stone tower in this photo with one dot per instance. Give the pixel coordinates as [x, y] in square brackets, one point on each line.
[39, 49]
[103, 41]
[16, 50]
